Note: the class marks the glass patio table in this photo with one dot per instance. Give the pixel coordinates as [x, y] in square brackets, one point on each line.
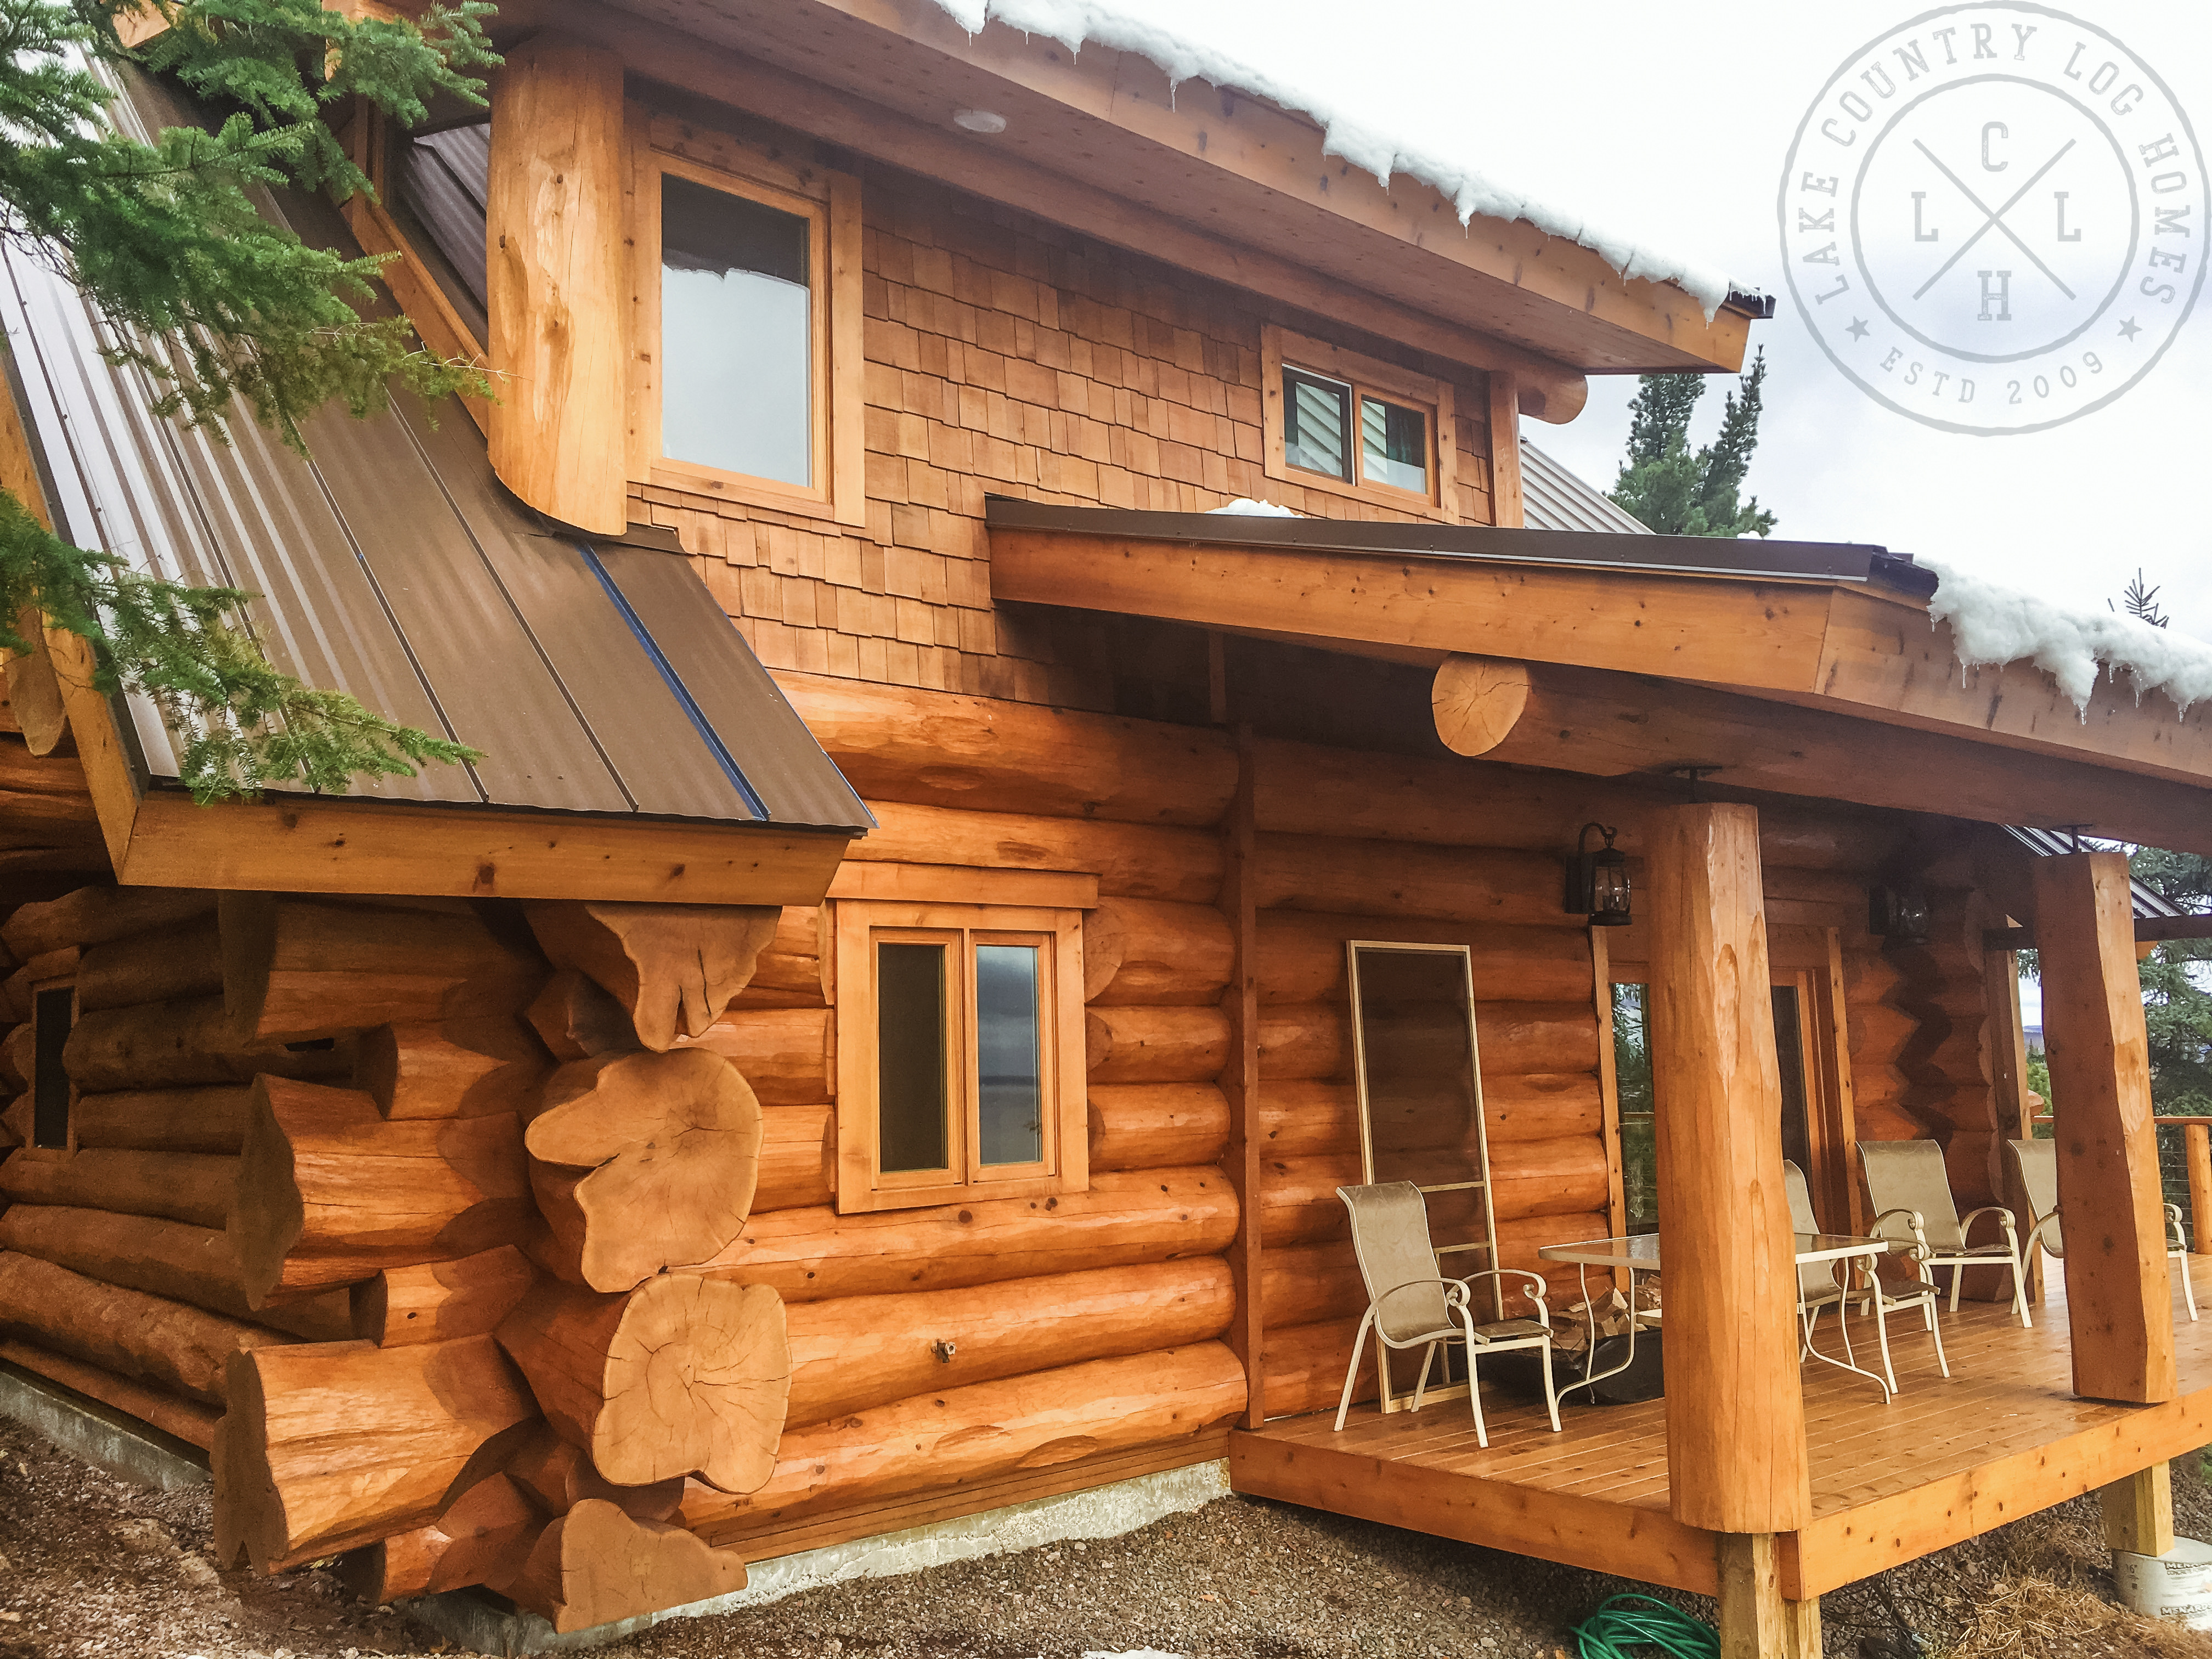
[1640, 1254]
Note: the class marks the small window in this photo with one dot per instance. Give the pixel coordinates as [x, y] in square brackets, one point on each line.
[53, 1010]
[1316, 419]
[1394, 445]
[960, 1065]
[1354, 426]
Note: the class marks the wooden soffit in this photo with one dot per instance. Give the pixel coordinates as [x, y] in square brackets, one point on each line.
[1848, 650]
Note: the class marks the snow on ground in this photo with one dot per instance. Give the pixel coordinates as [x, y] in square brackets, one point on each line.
[1992, 625]
[1368, 138]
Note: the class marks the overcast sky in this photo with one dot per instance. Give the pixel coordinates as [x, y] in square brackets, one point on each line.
[1673, 123]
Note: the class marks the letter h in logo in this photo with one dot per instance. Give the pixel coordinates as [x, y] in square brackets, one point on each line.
[2000, 291]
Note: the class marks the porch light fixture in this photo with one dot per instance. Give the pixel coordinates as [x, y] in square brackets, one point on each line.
[1597, 880]
[986, 121]
[1898, 915]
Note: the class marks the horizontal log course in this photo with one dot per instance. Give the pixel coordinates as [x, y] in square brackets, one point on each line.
[1145, 953]
[17, 1050]
[331, 1192]
[1301, 955]
[1149, 1126]
[175, 964]
[1564, 1176]
[298, 969]
[1303, 1366]
[1313, 1040]
[798, 1157]
[440, 1301]
[595, 1565]
[164, 1045]
[193, 1186]
[1300, 1284]
[641, 1161]
[1304, 1041]
[941, 749]
[1156, 1045]
[1338, 875]
[793, 970]
[16, 993]
[171, 1259]
[788, 1055]
[674, 967]
[558, 1476]
[1878, 1031]
[1126, 1218]
[682, 1375]
[326, 1446]
[483, 1537]
[449, 1068]
[1539, 1106]
[150, 1339]
[1131, 860]
[1518, 1241]
[92, 916]
[953, 1436]
[191, 1421]
[1312, 1117]
[1298, 1203]
[575, 1019]
[857, 1353]
[208, 1119]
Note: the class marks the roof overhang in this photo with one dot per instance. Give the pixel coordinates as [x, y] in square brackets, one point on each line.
[1818, 674]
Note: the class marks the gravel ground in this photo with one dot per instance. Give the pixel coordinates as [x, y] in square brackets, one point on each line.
[91, 1565]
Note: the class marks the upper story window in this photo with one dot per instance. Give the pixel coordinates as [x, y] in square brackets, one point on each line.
[960, 1053]
[1352, 426]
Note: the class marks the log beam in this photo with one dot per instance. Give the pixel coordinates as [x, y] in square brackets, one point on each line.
[2138, 1511]
[484, 1537]
[171, 1344]
[440, 1301]
[674, 967]
[596, 1564]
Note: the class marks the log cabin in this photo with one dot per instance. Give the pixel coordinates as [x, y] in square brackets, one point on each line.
[875, 1039]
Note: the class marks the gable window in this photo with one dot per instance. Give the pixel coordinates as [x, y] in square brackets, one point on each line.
[53, 1011]
[1352, 426]
[960, 1055]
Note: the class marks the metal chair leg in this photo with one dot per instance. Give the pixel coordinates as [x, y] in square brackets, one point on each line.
[2188, 1290]
[1474, 1384]
[1551, 1393]
[1936, 1330]
[1421, 1383]
[1881, 1335]
[1351, 1371]
[2020, 1292]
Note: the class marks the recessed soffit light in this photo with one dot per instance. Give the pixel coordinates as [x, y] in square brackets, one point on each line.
[979, 120]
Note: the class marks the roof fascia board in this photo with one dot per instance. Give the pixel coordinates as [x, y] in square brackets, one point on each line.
[1812, 643]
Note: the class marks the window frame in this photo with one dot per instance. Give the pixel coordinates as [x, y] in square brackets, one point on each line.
[1280, 349]
[857, 926]
[830, 203]
[33, 1145]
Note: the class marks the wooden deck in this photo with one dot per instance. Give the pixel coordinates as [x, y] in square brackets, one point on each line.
[1945, 1460]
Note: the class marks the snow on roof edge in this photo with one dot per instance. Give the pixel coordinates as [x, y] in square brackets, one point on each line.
[1182, 57]
[1992, 625]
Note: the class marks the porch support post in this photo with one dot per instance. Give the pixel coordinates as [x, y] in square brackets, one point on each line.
[1240, 1083]
[2119, 1305]
[1735, 1409]
[2139, 1512]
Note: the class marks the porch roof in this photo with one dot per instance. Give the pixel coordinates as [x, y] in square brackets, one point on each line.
[1804, 668]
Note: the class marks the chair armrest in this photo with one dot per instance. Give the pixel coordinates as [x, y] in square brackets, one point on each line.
[2176, 1233]
[2035, 1236]
[1536, 1296]
[1913, 1220]
[2004, 1216]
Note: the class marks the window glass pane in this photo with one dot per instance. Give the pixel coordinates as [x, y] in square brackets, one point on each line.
[1640, 1149]
[1790, 1051]
[1394, 442]
[1010, 1087]
[1316, 414]
[736, 338]
[50, 1012]
[911, 1075]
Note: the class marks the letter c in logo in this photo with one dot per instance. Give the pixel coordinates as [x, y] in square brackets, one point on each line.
[2002, 131]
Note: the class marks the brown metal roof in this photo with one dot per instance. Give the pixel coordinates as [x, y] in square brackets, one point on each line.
[394, 565]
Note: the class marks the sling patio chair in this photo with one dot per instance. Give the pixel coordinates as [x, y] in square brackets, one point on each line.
[1819, 1290]
[2037, 1161]
[1409, 1306]
[1911, 1194]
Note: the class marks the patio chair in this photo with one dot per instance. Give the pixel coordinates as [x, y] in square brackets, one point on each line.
[1409, 1306]
[2037, 1161]
[1911, 1194]
[1817, 1290]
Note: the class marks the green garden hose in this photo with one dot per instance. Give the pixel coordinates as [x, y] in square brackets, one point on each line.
[1623, 1625]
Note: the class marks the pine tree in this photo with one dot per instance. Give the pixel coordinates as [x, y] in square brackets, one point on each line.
[217, 305]
[1676, 493]
[2177, 981]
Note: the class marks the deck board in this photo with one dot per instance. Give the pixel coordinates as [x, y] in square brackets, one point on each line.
[1947, 1459]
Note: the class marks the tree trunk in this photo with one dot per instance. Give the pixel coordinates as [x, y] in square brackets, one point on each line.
[860, 1352]
[643, 1161]
[1156, 1045]
[1131, 860]
[1301, 955]
[595, 1565]
[328, 1446]
[1126, 1218]
[190, 1186]
[559, 1476]
[160, 1045]
[682, 1376]
[674, 967]
[449, 1068]
[175, 1345]
[330, 1192]
[297, 969]
[955, 1437]
[798, 1157]
[441, 1301]
[1141, 952]
[1145, 1125]
[211, 1119]
[484, 1537]
[170, 966]
[92, 916]
[787, 1055]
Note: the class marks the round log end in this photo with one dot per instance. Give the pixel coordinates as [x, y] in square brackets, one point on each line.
[1478, 700]
[721, 1349]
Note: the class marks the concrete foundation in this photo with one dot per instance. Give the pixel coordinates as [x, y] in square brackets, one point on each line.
[100, 1435]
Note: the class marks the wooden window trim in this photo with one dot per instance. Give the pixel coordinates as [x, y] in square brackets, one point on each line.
[1278, 347]
[856, 925]
[830, 201]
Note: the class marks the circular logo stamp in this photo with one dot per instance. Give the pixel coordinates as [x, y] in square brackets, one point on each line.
[1994, 218]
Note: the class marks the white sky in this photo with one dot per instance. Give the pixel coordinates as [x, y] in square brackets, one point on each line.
[1672, 123]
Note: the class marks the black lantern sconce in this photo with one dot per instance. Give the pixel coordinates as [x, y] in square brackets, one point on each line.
[1898, 915]
[1597, 880]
